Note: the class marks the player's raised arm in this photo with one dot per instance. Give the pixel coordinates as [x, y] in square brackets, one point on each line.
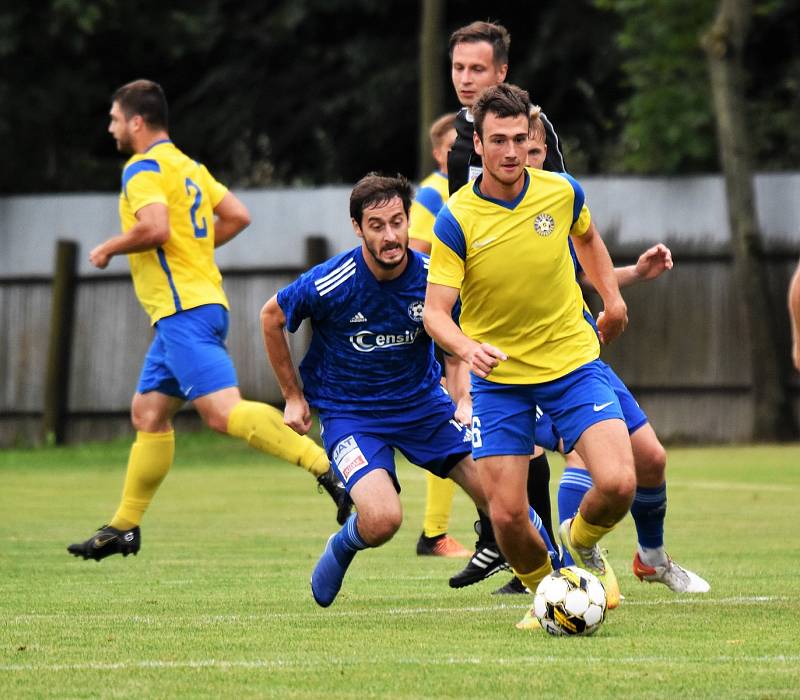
[599, 269]
[232, 218]
[297, 414]
[651, 264]
[794, 315]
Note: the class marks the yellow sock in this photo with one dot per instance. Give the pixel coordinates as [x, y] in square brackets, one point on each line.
[438, 504]
[585, 534]
[262, 427]
[533, 578]
[149, 461]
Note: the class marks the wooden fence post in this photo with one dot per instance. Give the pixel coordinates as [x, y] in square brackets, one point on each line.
[56, 391]
[316, 250]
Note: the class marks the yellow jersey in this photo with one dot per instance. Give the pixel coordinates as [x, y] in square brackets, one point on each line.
[182, 273]
[512, 265]
[431, 196]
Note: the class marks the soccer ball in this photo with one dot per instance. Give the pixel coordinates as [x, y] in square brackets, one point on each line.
[570, 601]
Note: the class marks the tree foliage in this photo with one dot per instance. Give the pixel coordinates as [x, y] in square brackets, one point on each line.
[321, 91]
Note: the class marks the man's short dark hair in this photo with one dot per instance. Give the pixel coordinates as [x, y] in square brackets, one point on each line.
[503, 101]
[145, 98]
[495, 34]
[375, 188]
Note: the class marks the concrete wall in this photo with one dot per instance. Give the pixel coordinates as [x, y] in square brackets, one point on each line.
[629, 211]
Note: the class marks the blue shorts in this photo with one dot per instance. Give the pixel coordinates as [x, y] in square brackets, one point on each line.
[187, 358]
[428, 436]
[548, 437]
[504, 415]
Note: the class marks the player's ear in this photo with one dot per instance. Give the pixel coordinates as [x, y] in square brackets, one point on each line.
[502, 71]
[476, 142]
[356, 228]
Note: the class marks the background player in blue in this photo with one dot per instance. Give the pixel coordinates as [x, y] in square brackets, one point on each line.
[370, 372]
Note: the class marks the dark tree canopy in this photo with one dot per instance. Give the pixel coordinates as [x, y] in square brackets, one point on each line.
[321, 91]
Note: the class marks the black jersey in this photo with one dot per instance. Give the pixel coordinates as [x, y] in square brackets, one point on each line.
[463, 164]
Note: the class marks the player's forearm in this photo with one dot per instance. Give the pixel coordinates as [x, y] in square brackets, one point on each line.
[599, 269]
[440, 326]
[280, 358]
[141, 237]
[457, 374]
[225, 230]
[794, 307]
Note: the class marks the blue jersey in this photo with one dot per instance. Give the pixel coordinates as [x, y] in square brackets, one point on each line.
[369, 349]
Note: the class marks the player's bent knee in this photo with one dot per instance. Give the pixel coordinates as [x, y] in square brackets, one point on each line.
[507, 519]
[651, 463]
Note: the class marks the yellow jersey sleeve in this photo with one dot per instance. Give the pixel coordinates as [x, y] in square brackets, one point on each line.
[448, 251]
[430, 198]
[581, 224]
[143, 184]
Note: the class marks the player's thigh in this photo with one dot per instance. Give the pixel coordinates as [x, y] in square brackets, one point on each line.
[153, 411]
[504, 480]
[605, 447]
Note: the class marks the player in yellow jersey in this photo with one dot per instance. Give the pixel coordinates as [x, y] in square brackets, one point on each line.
[430, 197]
[173, 215]
[501, 244]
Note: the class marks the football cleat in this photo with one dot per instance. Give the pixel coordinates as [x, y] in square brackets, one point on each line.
[593, 560]
[441, 546]
[327, 577]
[107, 541]
[529, 622]
[673, 576]
[338, 493]
[485, 562]
[513, 587]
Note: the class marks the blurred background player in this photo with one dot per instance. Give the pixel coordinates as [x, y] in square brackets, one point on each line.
[430, 197]
[794, 316]
[382, 392]
[479, 60]
[173, 215]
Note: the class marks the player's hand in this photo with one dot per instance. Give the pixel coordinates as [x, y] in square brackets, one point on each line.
[99, 258]
[484, 358]
[653, 262]
[463, 412]
[297, 415]
[611, 322]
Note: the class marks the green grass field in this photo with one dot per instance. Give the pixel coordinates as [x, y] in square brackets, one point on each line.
[217, 604]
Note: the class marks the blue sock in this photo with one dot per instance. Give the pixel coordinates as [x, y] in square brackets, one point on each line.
[571, 489]
[328, 574]
[539, 525]
[649, 510]
[347, 541]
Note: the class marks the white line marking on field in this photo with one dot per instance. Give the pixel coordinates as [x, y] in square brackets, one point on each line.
[522, 605]
[448, 661]
[733, 486]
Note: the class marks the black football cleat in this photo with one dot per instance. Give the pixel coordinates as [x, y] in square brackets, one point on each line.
[486, 561]
[344, 504]
[513, 587]
[107, 541]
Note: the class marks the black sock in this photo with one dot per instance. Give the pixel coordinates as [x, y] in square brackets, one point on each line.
[539, 491]
[486, 534]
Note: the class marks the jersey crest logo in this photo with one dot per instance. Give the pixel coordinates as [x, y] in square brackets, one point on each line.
[544, 224]
[415, 310]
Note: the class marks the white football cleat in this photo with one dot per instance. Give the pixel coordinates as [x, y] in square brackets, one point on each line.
[673, 576]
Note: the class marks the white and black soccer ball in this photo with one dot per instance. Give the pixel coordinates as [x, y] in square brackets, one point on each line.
[570, 601]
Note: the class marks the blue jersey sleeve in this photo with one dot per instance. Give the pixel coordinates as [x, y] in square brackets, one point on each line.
[580, 197]
[298, 301]
[449, 232]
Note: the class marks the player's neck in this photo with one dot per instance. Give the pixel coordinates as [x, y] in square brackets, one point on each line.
[492, 187]
[146, 141]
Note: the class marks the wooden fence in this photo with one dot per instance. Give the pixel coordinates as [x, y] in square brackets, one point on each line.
[684, 355]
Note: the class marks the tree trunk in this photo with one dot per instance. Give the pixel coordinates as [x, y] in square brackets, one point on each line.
[724, 46]
[431, 85]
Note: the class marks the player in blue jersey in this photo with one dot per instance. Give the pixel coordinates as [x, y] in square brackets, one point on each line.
[174, 214]
[501, 246]
[371, 374]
